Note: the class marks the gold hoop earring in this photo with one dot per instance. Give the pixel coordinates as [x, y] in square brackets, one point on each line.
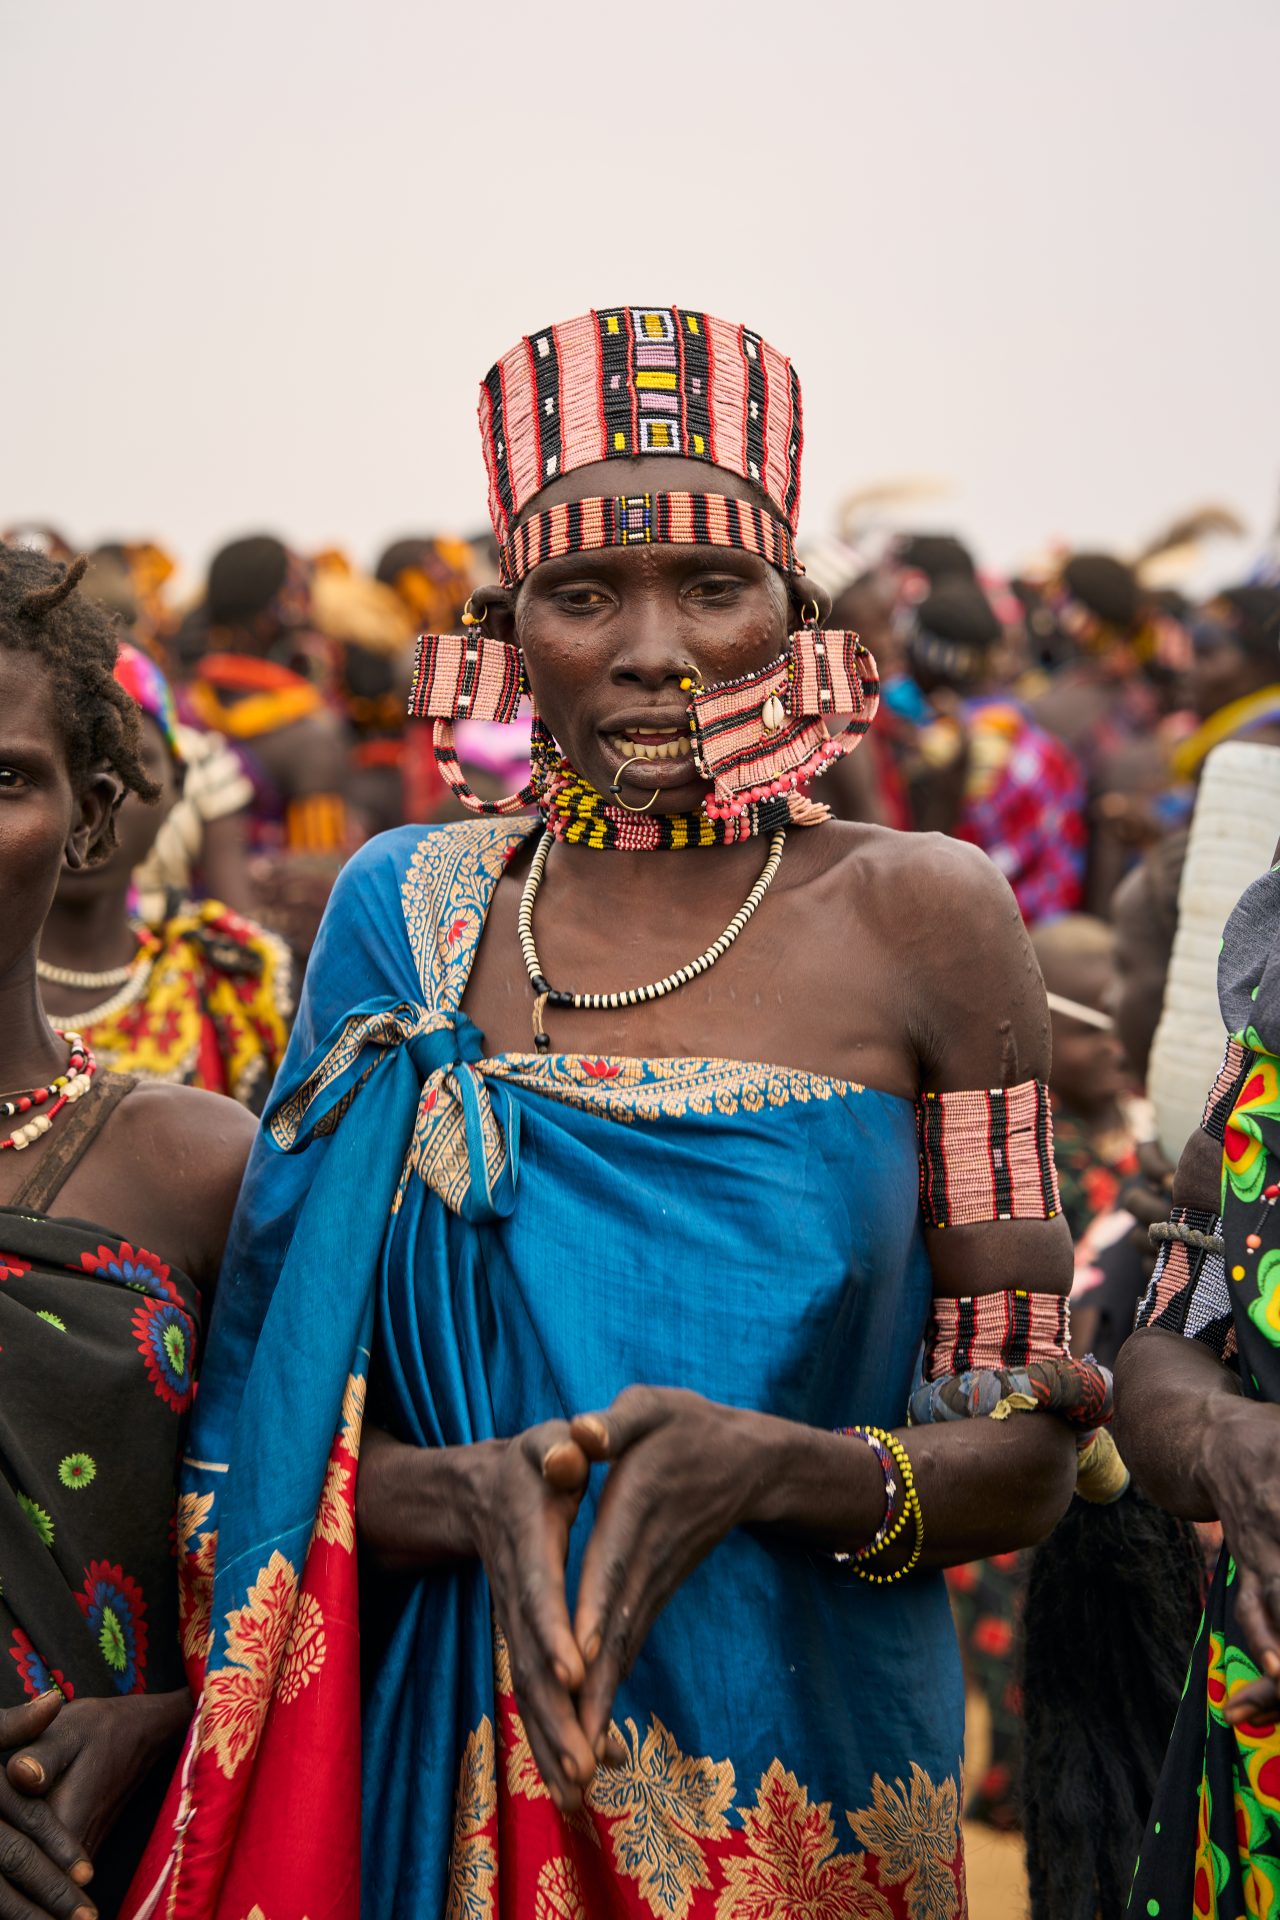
[816, 620]
[470, 619]
[618, 797]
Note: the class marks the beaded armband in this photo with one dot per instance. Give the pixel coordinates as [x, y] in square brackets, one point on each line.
[1224, 1095]
[999, 1353]
[987, 1156]
[1188, 1292]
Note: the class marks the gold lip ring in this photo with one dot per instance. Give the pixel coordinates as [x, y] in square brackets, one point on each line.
[618, 797]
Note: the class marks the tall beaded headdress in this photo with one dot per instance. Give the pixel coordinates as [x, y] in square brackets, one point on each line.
[617, 384]
[628, 381]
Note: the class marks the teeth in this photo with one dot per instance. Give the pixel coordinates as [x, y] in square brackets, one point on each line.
[665, 750]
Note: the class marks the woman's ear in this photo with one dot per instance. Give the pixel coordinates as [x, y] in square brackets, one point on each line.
[90, 838]
[498, 605]
[803, 592]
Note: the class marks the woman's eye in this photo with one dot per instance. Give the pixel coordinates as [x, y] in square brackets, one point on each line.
[11, 781]
[716, 589]
[580, 599]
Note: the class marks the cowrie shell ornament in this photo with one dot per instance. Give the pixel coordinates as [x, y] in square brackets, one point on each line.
[772, 714]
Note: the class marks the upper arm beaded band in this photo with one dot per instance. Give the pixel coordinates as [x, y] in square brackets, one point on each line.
[987, 1156]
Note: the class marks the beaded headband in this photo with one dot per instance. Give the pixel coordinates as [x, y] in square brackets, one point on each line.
[628, 381]
[641, 519]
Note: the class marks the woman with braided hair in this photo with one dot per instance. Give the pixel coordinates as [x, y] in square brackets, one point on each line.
[114, 1203]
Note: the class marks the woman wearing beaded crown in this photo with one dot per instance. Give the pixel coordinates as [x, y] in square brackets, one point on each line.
[593, 1170]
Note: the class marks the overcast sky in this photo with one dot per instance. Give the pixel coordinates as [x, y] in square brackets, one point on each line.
[260, 252]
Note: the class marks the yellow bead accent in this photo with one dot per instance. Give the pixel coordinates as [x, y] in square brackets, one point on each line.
[911, 1511]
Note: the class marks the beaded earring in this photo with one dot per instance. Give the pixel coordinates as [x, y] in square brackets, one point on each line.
[766, 734]
[472, 676]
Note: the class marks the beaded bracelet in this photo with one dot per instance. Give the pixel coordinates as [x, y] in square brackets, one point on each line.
[895, 1464]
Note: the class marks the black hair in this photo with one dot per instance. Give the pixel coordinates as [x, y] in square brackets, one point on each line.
[939, 556]
[244, 577]
[1255, 620]
[960, 611]
[1105, 585]
[75, 641]
[1113, 1602]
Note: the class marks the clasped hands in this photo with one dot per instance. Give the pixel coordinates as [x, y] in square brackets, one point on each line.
[680, 1478]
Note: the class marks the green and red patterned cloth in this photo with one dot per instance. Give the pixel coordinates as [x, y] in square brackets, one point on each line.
[1212, 1847]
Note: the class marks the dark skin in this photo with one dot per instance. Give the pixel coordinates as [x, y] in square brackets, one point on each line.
[164, 1172]
[948, 995]
[88, 925]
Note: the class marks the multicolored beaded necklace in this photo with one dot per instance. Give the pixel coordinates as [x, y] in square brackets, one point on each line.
[69, 1086]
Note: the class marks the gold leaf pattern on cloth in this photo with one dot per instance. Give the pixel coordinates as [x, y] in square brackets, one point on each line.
[559, 1895]
[270, 1629]
[444, 897]
[660, 1807]
[792, 1871]
[662, 1089]
[304, 1654]
[912, 1832]
[438, 1150]
[473, 1864]
[335, 1516]
[193, 1510]
[195, 1595]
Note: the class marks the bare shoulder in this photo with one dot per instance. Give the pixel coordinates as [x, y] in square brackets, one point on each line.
[950, 945]
[181, 1153]
[918, 879]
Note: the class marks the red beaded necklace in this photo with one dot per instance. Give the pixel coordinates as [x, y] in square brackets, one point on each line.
[68, 1086]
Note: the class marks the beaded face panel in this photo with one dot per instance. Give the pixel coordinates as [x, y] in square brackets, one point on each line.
[767, 733]
[645, 519]
[629, 381]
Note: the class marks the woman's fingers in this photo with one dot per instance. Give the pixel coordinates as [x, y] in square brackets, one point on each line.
[1257, 1704]
[565, 1467]
[608, 1433]
[38, 1765]
[20, 1725]
[31, 1885]
[38, 1821]
[1255, 1619]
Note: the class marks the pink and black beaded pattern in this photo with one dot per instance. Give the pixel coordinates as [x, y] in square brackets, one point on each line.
[629, 381]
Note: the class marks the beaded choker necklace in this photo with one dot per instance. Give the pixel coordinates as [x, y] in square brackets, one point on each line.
[575, 813]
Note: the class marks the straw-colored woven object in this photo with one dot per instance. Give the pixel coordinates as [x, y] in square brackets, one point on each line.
[1233, 835]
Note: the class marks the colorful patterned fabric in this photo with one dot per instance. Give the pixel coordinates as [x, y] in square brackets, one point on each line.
[1212, 1848]
[143, 681]
[216, 1010]
[484, 1185]
[646, 519]
[1024, 805]
[97, 1355]
[628, 381]
[987, 1156]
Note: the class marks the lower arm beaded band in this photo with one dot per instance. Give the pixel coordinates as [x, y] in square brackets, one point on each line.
[987, 1156]
[895, 1464]
[995, 1330]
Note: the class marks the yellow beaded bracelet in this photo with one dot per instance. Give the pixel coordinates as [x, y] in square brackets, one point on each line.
[886, 1446]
